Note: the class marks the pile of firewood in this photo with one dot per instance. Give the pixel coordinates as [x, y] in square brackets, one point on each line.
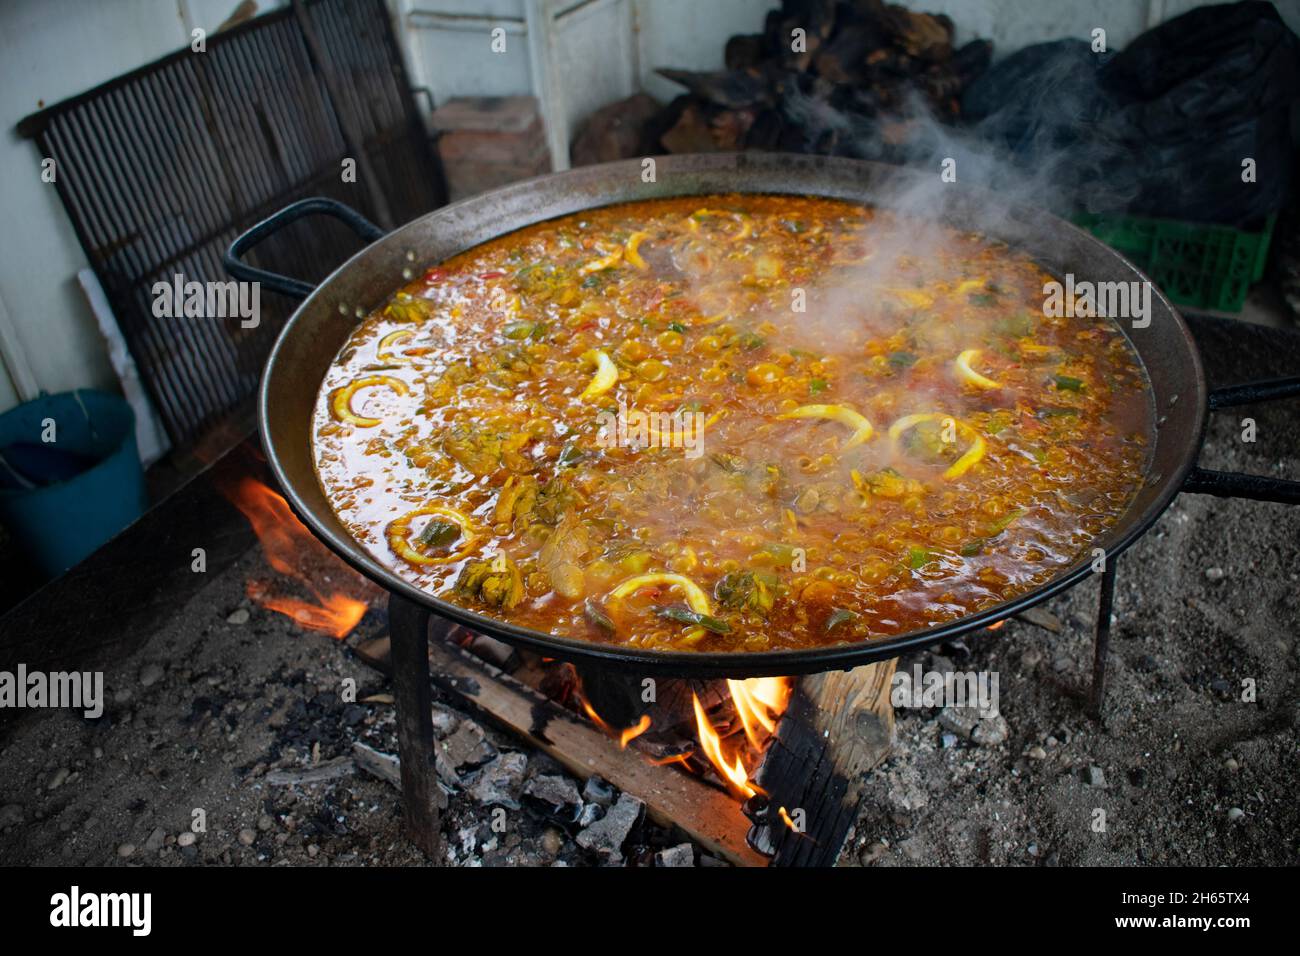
[825, 76]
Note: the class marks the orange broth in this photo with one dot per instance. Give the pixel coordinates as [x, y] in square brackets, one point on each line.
[862, 425]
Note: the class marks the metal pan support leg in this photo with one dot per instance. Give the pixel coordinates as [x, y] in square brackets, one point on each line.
[1101, 638]
[408, 626]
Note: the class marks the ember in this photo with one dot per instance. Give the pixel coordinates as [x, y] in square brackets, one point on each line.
[629, 733]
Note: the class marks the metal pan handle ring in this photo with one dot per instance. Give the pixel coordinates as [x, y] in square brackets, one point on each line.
[318, 205]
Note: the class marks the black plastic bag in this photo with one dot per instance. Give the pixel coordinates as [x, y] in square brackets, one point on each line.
[1212, 64]
[1045, 108]
[1200, 94]
[1159, 129]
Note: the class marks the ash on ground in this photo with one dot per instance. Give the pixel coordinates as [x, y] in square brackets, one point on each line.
[1195, 760]
[232, 715]
[274, 741]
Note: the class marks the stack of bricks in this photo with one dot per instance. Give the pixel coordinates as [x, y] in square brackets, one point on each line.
[489, 141]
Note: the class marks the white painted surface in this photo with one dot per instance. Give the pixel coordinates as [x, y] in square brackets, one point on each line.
[577, 56]
[451, 42]
[50, 50]
[1012, 24]
[595, 59]
[150, 438]
[690, 35]
[14, 360]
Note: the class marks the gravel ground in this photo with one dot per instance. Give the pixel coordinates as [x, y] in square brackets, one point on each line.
[1186, 772]
[230, 700]
[217, 708]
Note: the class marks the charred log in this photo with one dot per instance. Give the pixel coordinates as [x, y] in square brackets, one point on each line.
[837, 728]
[729, 89]
[746, 50]
[838, 77]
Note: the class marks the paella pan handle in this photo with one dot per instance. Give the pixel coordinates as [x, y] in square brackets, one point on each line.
[1232, 484]
[318, 205]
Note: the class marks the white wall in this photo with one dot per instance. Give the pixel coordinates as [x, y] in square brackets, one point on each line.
[690, 35]
[50, 50]
[448, 47]
[598, 51]
[596, 57]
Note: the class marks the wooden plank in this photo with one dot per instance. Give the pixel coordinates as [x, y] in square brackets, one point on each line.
[709, 816]
[384, 766]
[837, 728]
[1041, 617]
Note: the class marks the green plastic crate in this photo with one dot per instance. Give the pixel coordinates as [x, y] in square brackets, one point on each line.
[1199, 265]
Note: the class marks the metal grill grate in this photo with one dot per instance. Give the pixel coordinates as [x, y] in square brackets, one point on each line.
[161, 168]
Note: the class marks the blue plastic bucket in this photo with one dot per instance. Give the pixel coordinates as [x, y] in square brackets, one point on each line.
[62, 499]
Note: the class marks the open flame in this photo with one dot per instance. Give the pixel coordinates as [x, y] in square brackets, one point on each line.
[733, 770]
[624, 736]
[759, 703]
[630, 734]
[291, 550]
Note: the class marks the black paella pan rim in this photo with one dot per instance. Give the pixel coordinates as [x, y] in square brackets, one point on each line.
[305, 347]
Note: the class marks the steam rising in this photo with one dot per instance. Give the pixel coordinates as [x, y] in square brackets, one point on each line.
[1012, 167]
[1060, 129]
[1022, 156]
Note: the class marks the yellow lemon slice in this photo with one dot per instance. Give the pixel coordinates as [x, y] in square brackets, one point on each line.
[392, 340]
[968, 374]
[746, 224]
[341, 403]
[630, 248]
[862, 429]
[696, 599]
[605, 378]
[605, 262]
[399, 532]
[963, 464]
